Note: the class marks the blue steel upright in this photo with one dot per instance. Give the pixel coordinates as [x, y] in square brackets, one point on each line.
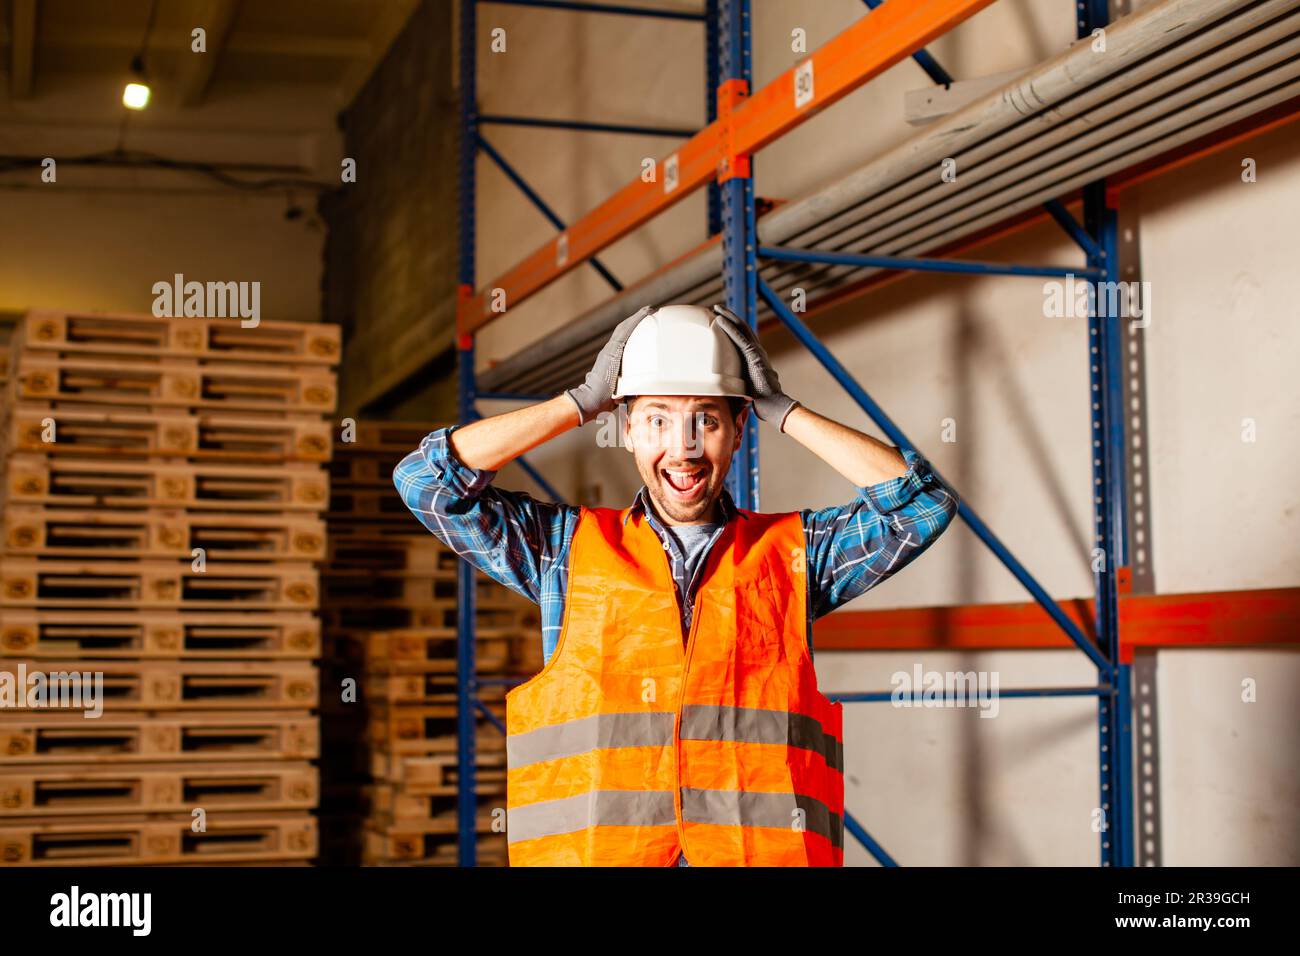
[739, 238]
[1110, 533]
[466, 605]
[711, 68]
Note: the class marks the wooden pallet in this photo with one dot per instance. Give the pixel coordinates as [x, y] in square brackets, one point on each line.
[399, 528]
[419, 840]
[429, 650]
[368, 469]
[416, 551]
[417, 588]
[88, 432]
[160, 788]
[183, 685]
[60, 583]
[490, 850]
[495, 611]
[215, 339]
[108, 484]
[65, 635]
[390, 804]
[426, 730]
[369, 504]
[171, 383]
[39, 531]
[379, 438]
[399, 689]
[520, 652]
[55, 737]
[389, 588]
[135, 840]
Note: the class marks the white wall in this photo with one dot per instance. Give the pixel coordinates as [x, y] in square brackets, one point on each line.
[945, 787]
[103, 249]
[99, 238]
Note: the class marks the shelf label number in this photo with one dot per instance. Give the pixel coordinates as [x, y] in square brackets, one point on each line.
[803, 84]
[670, 173]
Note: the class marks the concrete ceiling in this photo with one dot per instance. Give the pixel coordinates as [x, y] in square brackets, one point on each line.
[274, 76]
[334, 44]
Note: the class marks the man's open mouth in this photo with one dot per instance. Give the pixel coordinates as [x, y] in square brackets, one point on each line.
[685, 483]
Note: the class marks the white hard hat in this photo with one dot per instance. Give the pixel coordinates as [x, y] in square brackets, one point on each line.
[680, 350]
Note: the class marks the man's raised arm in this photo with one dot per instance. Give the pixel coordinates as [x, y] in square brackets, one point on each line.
[494, 442]
[860, 458]
[901, 509]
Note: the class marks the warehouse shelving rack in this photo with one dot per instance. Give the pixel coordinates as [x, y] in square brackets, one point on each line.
[718, 157]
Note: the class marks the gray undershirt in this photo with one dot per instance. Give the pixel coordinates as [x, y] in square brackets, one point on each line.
[693, 542]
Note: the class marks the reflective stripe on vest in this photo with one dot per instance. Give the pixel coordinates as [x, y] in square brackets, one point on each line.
[627, 749]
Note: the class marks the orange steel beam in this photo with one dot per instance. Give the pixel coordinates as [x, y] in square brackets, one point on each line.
[870, 46]
[873, 44]
[1213, 619]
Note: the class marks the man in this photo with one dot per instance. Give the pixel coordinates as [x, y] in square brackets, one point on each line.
[677, 714]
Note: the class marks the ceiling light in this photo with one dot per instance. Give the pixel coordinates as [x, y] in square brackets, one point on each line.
[136, 94]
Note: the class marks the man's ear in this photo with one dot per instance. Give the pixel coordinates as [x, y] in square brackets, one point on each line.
[741, 421]
[627, 427]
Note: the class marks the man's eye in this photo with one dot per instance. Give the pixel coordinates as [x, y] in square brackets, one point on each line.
[657, 421]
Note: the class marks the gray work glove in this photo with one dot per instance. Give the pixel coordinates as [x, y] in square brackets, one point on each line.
[771, 405]
[596, 393]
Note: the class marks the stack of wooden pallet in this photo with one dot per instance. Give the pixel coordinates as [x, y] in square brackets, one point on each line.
[164, 483]
[391, 616]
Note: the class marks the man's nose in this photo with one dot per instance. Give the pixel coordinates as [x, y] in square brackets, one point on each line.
[684, 438]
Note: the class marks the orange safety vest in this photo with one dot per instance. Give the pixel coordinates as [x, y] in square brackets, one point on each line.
[628, 749]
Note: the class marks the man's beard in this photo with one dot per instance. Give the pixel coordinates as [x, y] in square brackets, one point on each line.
[684, 511]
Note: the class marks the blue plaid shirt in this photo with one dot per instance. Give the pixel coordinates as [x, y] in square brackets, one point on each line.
[524, 543]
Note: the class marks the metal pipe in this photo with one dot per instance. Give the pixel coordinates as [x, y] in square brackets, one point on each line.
[1072, 144]
[492, 718]
[1102, 160]
[536, 475]
[1134, 41]
[501, 119]
[922, 57]
[603, 8]
[960, 266]
[1072, 227]
[1259, 94]
[928, 195]
[875, 697]
[863, 837]
[545, 364]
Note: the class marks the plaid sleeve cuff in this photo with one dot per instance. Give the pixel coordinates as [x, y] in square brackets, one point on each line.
[450, 471]
[895, 493]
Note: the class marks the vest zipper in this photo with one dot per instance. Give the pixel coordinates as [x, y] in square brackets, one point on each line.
[677, 722]
[681, 689]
